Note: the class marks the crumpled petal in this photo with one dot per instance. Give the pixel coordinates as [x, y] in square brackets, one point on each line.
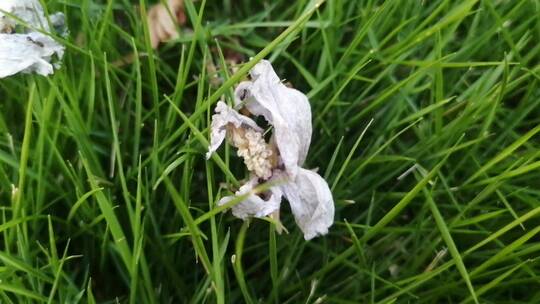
[27, 53]
[27, 50]
[286, 109]
[226, 115]
[29, 11]
[254, 205]
[311, 203]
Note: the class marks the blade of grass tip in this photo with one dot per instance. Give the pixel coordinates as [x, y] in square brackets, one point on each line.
[424, 111]
[110, 217]
[190, 223]
[348, 159]
[170, 168]
[504, 153]
[496, 101]
[91, 95]
[80, 201]
[236, 260]
[447, 237]
[116, 143]
[356, 243]
[384, 146]
[179, 85]
[58, 274]
[333, 159]
[191, 51]
[53, 258]
[138, 104]
[25, 151]
[151, 63]
[89, 295]
[508, 206]
[106, 18]
[223, 70]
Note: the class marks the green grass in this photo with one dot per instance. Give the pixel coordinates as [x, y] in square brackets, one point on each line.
[426, 119]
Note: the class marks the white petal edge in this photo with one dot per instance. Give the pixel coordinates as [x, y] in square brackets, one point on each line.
[286, 109]
[29, 11]
[253, 205]
[311, 203]
[27, 53]
[218, 130]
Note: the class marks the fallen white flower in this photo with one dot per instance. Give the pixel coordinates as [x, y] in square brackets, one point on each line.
[278, 162]
[23, 48]
[286, 109]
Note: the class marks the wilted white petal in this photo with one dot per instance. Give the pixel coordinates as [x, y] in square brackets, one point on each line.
[253, 205]
[226, 115]
[27, 50]
[29, 11]
[286, 109]
[311, 203]
[27, 53]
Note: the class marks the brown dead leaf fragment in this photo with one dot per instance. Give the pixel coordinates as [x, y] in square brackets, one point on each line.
[163, 21]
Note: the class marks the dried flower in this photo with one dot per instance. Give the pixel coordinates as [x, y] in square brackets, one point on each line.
[163, 21]
[279, 161]
[22, 47]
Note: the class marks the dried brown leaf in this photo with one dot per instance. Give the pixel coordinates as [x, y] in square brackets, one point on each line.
[163, 21]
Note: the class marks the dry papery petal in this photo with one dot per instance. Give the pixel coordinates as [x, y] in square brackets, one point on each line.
[286, 109]
[29, 11]
[163, 20]
[311, 203]
[22, 47]
[254, 205]
[27, 53]
[223, 117]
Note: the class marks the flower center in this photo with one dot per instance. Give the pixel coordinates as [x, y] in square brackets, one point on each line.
[259, 157]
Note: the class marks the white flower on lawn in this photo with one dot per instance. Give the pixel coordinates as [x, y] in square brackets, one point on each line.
[278, 161]
[23, 48]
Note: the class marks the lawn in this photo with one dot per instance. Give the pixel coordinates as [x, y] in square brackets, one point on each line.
[425, 117]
